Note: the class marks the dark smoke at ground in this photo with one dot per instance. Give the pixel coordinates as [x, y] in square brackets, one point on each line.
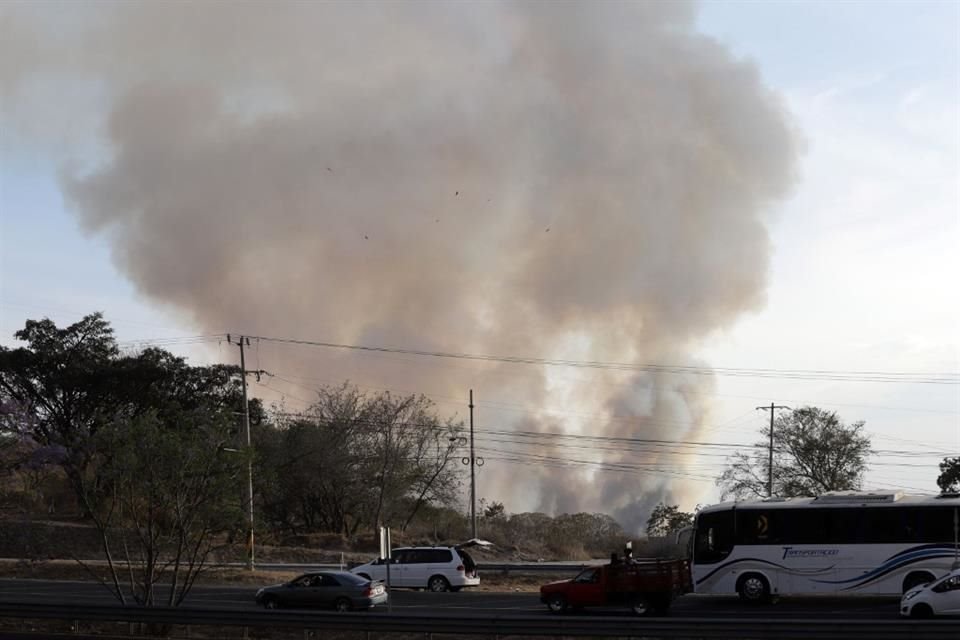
[562, 180]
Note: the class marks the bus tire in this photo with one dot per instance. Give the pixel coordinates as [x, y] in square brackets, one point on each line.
[915, 579]
[753, 587]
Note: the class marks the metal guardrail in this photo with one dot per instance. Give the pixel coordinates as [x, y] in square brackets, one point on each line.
[485, 624]
[502, 567]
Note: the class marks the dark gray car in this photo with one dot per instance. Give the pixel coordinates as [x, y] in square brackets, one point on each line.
[338, 589]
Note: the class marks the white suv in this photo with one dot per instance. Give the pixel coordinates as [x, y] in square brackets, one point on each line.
[433, 568]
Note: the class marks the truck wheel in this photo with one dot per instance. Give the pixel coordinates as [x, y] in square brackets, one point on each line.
[661, 606]
[642, 607]
[557, 603]
[753, 587]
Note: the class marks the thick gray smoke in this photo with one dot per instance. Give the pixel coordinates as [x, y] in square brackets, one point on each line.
[585, 181]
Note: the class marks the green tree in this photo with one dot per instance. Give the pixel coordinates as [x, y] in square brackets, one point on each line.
[133, 433]
[949, 478]
[666, 519]
[69, 382]
[165, 496]
[814, 452]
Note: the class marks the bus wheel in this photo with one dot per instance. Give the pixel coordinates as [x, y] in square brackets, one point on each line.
[753, 587]
[916, 579]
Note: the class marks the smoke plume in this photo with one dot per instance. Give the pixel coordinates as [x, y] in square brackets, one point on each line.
[586, 181]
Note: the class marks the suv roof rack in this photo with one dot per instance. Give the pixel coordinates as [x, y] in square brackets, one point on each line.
[848, 497]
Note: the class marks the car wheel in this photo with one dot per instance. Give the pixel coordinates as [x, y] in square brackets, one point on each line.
[921, 611]
[916, 579]
[753, 587]
[271, 602]
[438, 583]
[342, 604]
[641, 607]
[557, 603]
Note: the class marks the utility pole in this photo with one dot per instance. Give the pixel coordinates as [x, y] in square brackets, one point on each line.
[473, 474]
[772, 408]
[246, 429]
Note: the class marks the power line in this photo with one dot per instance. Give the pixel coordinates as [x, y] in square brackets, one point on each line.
[798, 374]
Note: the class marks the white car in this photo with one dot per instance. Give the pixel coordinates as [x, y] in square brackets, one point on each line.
[938, 598]
[433, 568]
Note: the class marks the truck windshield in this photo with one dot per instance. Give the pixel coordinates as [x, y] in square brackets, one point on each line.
[587, 575]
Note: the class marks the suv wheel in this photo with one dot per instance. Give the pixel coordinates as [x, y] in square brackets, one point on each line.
[438, 583]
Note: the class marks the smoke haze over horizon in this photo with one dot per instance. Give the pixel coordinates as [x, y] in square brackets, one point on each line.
[570, 180]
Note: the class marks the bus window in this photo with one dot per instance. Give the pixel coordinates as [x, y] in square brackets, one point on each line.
[842, 526]
[937, 525]
[883, 526]
[713, 540]
[769, 526]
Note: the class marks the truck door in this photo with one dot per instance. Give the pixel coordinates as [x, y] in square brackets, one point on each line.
[586, 590]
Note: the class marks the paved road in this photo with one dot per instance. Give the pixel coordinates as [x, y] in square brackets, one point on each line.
[241, 597]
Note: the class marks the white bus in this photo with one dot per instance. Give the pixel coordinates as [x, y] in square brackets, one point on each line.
[837, 543]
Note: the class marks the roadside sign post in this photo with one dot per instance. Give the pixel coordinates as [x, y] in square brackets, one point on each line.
[386, 554]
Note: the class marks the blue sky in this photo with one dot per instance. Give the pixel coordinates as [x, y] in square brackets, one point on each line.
[865, 250]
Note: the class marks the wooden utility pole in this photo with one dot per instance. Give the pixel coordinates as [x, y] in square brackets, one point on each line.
[473, 475]
[772, 408]
[246, 429]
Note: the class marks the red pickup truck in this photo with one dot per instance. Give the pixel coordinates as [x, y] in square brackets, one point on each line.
[645, 586]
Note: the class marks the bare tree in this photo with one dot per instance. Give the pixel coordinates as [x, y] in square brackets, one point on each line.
[813, 452]
[354, 460]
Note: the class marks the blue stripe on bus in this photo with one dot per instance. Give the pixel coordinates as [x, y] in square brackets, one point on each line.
[904, 558]
[772, 564]
[896, 561]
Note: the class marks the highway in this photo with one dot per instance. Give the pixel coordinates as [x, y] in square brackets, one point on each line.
[474, 602]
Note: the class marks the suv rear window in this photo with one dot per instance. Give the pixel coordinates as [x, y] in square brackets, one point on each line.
[467, 560]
